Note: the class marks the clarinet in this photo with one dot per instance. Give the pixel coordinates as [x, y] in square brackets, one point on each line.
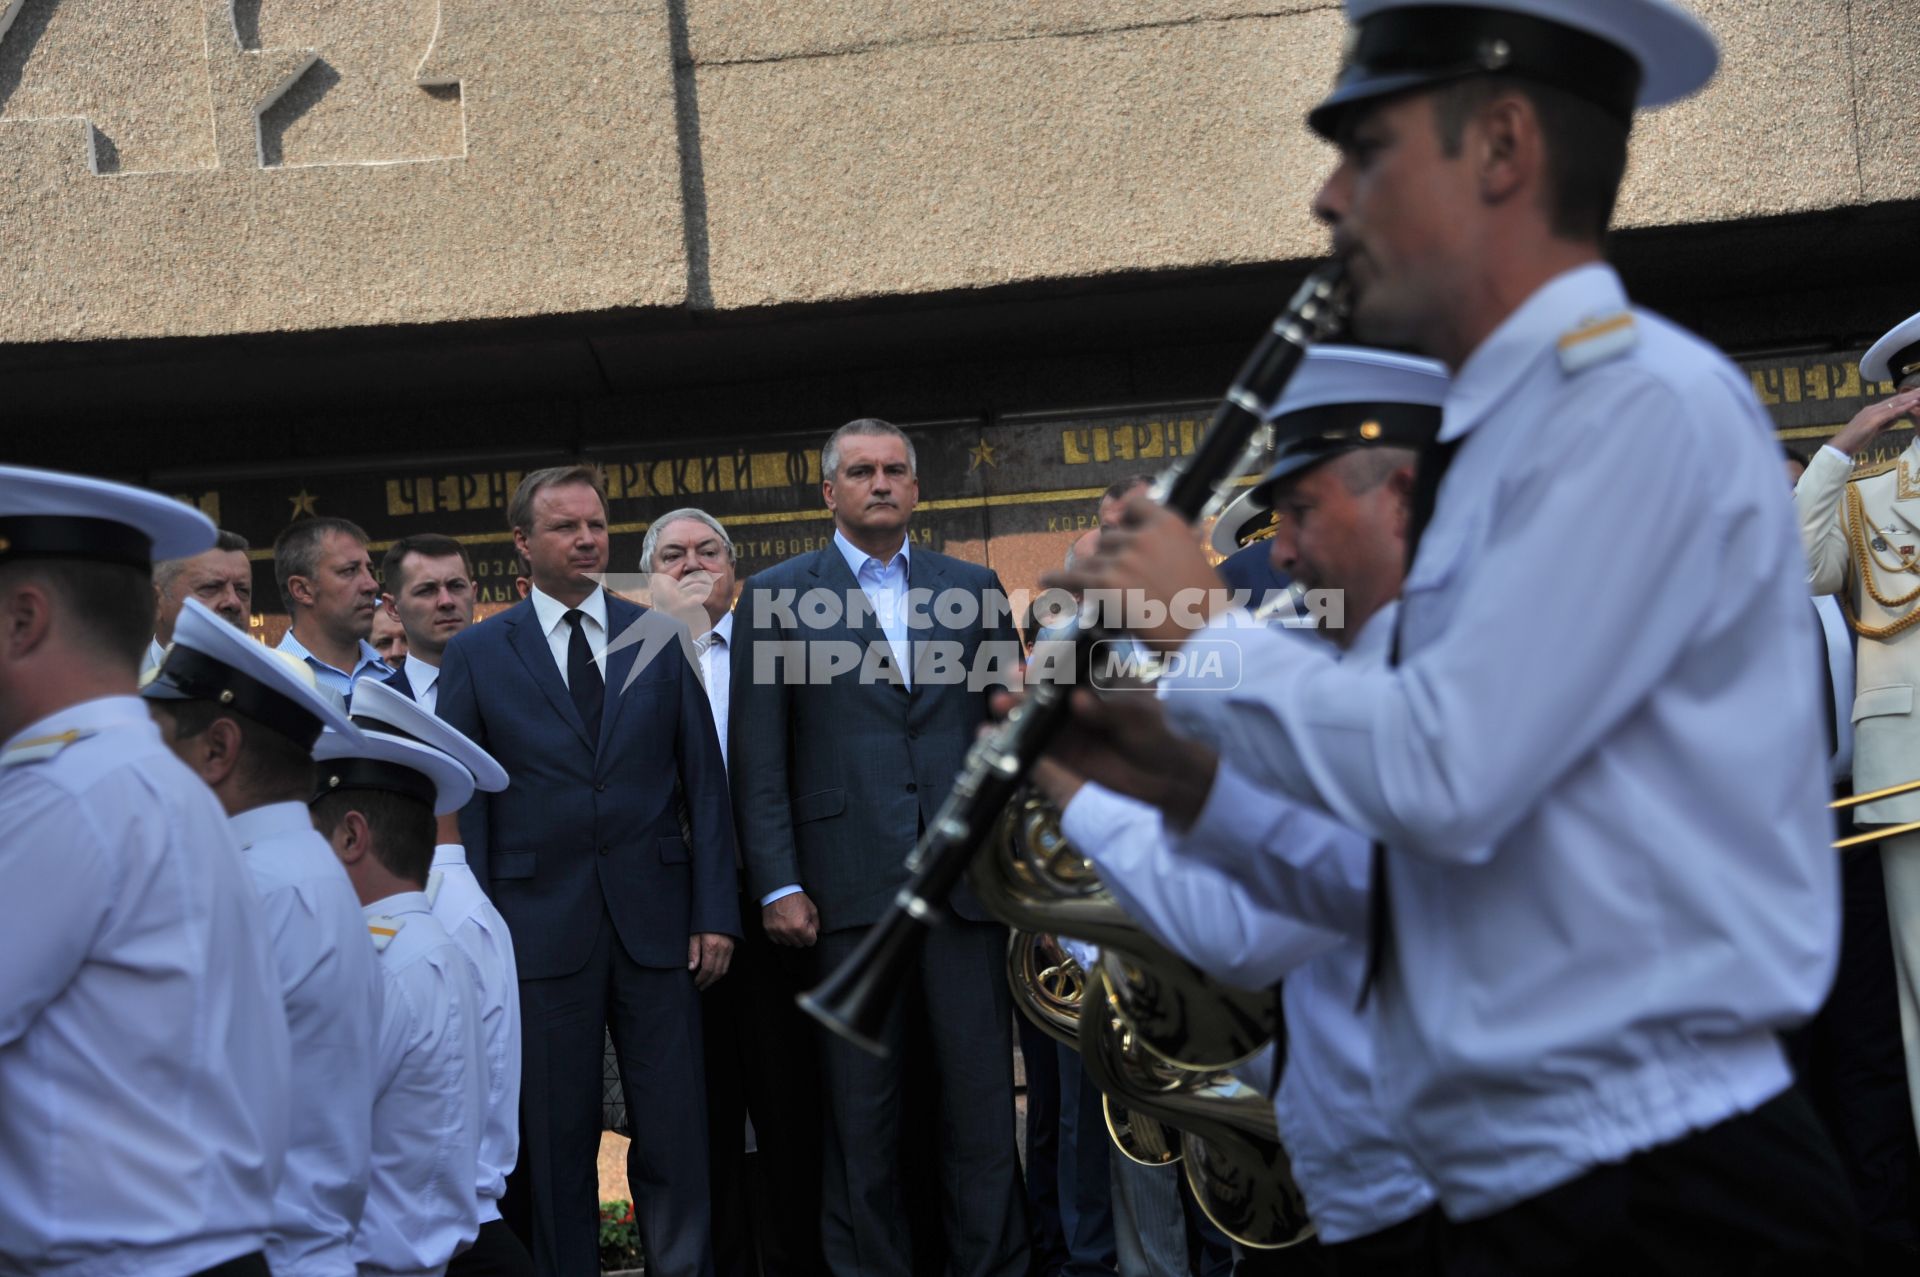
[853, 1000]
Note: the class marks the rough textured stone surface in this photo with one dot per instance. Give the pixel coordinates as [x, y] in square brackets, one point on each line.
[1886, 49]
[944, 166]
[759, 30]
[424, 161]
[1772, 134]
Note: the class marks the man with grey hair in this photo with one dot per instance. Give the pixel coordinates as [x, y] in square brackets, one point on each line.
[835, 776]
[326, 580]
[749, 1020]
[221, 578]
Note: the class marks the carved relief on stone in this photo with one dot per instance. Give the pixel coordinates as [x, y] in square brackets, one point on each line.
[177, 85]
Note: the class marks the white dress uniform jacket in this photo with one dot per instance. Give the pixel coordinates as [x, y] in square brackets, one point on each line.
[463, 909]
[1599, 767]
[1886, 721]
[1356, 1180]
[421, 1205]
[143, 1049]
[331, 986]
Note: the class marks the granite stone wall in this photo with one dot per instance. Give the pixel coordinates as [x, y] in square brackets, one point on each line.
[209, 167]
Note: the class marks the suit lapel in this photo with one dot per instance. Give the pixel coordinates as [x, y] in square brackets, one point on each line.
[925, 572]
[525, 637]
[621, 617]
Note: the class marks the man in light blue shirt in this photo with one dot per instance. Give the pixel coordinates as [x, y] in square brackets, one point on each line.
[327, 583]
[1596, 774]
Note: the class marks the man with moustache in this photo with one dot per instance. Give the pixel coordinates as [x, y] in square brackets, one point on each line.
[1601, 884]
[326, 580]
[766, 1208]
[610, 856]
[430, 593]
[220, 578]
[835, 776]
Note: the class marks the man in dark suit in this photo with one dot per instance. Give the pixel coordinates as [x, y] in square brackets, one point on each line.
[852, 709]
[611, 858]
[427, 587]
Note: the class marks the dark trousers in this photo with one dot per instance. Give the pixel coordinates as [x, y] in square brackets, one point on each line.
[654, 1017]
[762, 1053]
[253, 1265]
[1086, 1174]
[1411, 1248]
[1760, 1194]
[1038, 1053]
[958, 992]
[496, 1252]
[1853, 1070]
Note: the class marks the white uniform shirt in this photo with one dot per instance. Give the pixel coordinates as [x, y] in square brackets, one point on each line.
[424, 679]
[1356, 1179]
[1599, 767]
[331, 987]
[367, 664]
[463, 909]
[1839, 641]
[143, 1050]
[421, 1203]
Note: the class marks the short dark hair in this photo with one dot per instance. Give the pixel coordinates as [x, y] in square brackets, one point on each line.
[403, 828]
[1122, 487]
[270, 764]
[1586, 147]
[428, 545]
[520, 508]
[112, 603]
[296, 551]
[869, 428]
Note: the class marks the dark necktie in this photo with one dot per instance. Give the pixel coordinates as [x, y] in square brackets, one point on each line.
[1434, 460]
[583, 676]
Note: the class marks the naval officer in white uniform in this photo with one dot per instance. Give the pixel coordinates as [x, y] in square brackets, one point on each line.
[462, 908]
[143, 1048]
[376, 798]
[1602, 884]
[244, 718]
[1863, 544]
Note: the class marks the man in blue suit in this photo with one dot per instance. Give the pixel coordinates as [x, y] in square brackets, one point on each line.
[611, 858]
[859, 678]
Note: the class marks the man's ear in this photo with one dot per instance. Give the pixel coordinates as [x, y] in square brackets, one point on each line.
[1401, 483]
[520, 545]
[219, 753]
[1507, 147]
[300, 590]
[26, 618]
[826, 493]
[386, 605]
[351, 840]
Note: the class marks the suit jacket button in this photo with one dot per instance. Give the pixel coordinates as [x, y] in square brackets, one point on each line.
[604, 849]
[600, 788]
[913, 789]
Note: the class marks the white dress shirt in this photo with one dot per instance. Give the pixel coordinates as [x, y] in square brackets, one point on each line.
[368, 664]
[143, 1049]
[885, 585]
[715, 651]
[463, 909]
[422, 1207]
[156, 653]
[424, 679]
[330, 984]
[1599, 769]
[552, 615]
[1839, 640]
[1355, 1177]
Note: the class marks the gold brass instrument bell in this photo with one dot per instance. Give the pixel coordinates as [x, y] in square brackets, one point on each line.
[1157, 1034]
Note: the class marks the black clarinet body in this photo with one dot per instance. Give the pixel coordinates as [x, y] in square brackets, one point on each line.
[853, 1000]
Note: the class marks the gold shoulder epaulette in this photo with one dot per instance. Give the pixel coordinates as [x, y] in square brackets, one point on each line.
[1873, 469]
[1597, 341]
[40, 748]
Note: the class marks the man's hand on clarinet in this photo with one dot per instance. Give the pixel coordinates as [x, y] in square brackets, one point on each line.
[1122, 741]
[1165, 587]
